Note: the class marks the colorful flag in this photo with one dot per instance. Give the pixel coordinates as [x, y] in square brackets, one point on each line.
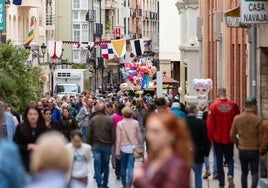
[17, 2]
[30, 35]
[119, 47]
[137, 47]
[107, 51]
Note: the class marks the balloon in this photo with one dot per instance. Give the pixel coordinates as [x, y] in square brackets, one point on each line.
[145, 82]
[131, 72]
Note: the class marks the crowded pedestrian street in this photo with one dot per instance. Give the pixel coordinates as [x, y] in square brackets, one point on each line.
[133, 94]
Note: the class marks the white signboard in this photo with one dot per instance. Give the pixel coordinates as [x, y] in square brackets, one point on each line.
[159, 84]
[254, 11]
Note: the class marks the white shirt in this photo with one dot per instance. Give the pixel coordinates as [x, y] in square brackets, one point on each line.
[81, 158]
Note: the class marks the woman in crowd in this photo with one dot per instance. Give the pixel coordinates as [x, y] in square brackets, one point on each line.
[51, 163]
[67, 123]
[50, 124]
[170, 157]
[151, 109]
[27, 133]
[117, 118]
[139, 115]
[128, 136]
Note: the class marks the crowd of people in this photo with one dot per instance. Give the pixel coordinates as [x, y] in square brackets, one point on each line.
[56, 140]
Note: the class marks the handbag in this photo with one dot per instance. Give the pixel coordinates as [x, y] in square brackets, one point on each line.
[138, 150]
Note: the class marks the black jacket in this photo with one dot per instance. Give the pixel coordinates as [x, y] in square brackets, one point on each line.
[23, 139]
[198, 131]
[67, 125]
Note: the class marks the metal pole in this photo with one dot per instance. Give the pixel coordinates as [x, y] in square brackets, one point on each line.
[201, 59]
[51, 77]
[101, 76]
[127, 21]
[253, 62]
[220, 71]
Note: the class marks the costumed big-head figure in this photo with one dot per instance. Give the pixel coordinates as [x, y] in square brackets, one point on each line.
[202, 87]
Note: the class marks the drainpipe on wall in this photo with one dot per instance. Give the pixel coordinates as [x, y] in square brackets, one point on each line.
[217, 25]
[253, 64]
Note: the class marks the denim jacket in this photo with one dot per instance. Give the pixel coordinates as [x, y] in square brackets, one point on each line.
[12, 173]
[10, 126]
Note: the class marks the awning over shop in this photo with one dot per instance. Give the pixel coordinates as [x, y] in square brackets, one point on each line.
[232, 18]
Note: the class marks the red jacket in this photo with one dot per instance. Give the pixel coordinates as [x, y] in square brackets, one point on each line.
[220, 120]
[175, 173]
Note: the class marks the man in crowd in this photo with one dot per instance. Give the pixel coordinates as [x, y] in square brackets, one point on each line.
[79, 104]
[219, 124]
[176, 110]
[110, 109]
[40, 107]
[84, 115]
[161, 104]
[101, 136]
[56, 115]
[10, 109]
[247, 135]
[197, 128]
[8, 124]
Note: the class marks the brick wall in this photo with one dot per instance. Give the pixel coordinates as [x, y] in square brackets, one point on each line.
[234, 50]
[264, 83]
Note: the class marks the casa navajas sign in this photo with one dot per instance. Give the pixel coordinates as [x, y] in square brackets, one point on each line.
[254, 11]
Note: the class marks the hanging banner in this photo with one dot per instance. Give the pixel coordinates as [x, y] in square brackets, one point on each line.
[55, 49]
[2, 15]
[119, 47]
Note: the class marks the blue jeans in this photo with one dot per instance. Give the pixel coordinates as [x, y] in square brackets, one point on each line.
[84, 132]
[127, 166]
[215, 171]
[249, 158]
[101, 164]
[224, 151]
[198, 175]
[207, 165]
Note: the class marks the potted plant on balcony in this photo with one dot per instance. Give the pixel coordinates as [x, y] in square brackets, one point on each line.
[108, 25]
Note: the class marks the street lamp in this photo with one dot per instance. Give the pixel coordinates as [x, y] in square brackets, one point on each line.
[43, 49]
[36, 53]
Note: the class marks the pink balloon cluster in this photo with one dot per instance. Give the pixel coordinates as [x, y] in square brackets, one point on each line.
[134, 73]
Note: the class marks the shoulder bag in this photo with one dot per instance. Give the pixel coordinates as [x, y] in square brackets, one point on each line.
[137, 151]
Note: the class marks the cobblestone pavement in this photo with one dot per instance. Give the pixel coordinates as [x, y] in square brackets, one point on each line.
[114, 183]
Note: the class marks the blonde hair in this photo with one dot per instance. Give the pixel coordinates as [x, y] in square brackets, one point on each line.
[51, 154]
[127, 112]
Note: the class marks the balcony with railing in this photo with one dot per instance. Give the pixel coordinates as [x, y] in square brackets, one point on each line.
[109, 4]
[109, 34]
